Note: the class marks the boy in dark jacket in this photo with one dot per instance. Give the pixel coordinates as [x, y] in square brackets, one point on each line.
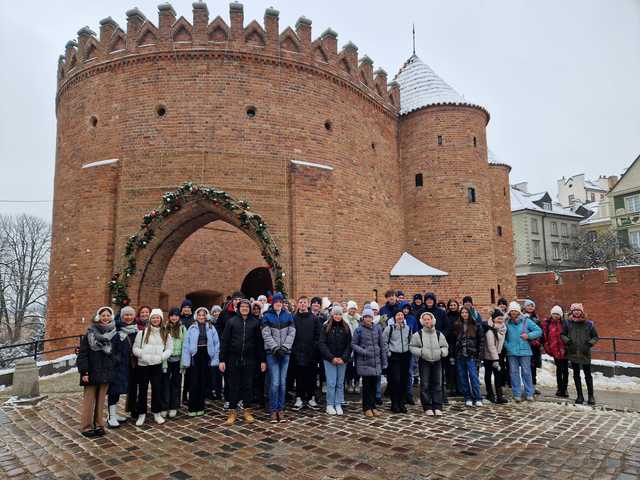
[241, 352]
[305, 355]
[580, 336]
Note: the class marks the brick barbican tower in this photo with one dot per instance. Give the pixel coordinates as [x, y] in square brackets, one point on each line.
[354, 185]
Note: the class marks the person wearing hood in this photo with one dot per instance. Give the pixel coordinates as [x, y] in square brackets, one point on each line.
[447, 327]
[335, 349]
[430, 346]
[152, 347]
[123, 376]
[417, 306]
[397, 337]
[186, 313]
[467, 302]
[96, 362]
[494, 341]
[241, 354]
[389, 309]
[553, 328]
[580, 336]
[278, 333]
[412, 323]
[304, 355]
[352, 318]
[370, 355]
[469, 341]
[200, 352]
[520, 330]
[529, 310]
[172, 367]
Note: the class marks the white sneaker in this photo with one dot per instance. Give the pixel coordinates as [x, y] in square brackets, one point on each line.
[112, 421]
[356, 389]
[469, 403]
[438, 413]
[478, 403]
[226, 406]
[339, 410]
[163, 414]
[140, 420]
[298, 405]
[428, 413]
[312, 403]
[173, 413]
[331, 410]
[158, 418]
[120, 418]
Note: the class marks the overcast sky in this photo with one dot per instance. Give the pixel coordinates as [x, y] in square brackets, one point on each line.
[561, 79]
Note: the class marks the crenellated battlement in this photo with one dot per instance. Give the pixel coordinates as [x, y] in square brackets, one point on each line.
[177, 35]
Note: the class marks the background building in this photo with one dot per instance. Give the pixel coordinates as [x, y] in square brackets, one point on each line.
[543, 233]
[624, 204]
[576, 190]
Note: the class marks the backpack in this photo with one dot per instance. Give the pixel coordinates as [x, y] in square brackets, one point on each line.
[391, 333]
[420, 335]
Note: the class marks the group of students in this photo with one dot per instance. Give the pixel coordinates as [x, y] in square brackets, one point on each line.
[247, 347]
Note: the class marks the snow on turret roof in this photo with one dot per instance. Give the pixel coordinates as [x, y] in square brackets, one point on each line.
[410, 265]
[524, 201]
[420, 86]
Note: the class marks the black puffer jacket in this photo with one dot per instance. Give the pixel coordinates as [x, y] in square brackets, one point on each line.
[305, 345]
[97, 364]
[336, 342]
[469, 346]
[242, 341]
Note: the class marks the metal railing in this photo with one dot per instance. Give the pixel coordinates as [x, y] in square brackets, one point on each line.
[37, 348]
[616, 344]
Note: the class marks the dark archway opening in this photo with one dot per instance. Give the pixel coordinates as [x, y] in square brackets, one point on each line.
[257, 282]
[204, 298]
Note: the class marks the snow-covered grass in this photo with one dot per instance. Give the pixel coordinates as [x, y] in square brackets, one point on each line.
[603, 363]
[547, 378]
[65, 358]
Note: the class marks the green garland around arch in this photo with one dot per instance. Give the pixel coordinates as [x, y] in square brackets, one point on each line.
[171, 203]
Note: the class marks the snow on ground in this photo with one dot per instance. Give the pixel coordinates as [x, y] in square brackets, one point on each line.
[547, 378]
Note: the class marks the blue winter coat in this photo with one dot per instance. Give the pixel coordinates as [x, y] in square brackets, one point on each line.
[190, 345]
[121, 350]
[369, 349]
[514, 344]
[278, 331]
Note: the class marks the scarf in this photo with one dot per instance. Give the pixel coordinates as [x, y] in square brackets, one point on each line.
[126, 330]
[99, 336]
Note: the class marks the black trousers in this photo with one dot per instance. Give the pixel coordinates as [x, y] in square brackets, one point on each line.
[586, 368]
[149, 374]
[369, 392]
[198, 379]
[399, 378]
[489, 373]
[351, 376]
[562, 374]
[431, 390]
[450, 375]
[505, 378]
[171, 386]
[132, 392]
[241, 378]
[187, 382]
[216, 383]
[305, 376]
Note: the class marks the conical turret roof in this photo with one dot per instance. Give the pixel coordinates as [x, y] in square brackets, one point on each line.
[420, 86]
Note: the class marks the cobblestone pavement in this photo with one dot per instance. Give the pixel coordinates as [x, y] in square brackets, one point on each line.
[540, 440]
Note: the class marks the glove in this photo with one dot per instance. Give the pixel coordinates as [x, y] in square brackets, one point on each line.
[496, 366]
[277, 353]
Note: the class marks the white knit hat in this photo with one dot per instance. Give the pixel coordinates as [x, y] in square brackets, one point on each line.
[158, 312]
[514, 306]
[351, 304]
[557, 310]
[374, 306]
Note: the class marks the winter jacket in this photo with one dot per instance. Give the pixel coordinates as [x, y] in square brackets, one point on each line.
[579, 336]
[494, 342]
[388, 312]
[536, 346]
[335, 343]
[397, 338]
[176, 352]
[429, 345]
[370, 350]
[447, 327]
[437, 312]
[305, 345]
[278, 331]
[190, 345]
[353, 322]
[468, 346]
[553, 343]
[515, 345]
[149, 347]
[409, 318]
[228, 311]
[242, 341]
[186, 320]
[123, 351]
[97, 364]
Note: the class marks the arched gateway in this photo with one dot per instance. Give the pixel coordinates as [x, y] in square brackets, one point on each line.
[364, 184]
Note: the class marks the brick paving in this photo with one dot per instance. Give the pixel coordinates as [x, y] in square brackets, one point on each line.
[541, 440]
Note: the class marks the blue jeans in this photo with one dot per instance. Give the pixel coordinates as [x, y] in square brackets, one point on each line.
[468, 372]
[335, 383]
[379, 387]
[520, 366]
[413, 365]
[278, 386]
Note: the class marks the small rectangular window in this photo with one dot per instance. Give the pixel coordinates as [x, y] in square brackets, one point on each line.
[534, 225]
[554, 229]
[564, 229]
[493, 296]
[471, 194]
[439, 139]
[555, 247]
[499, 292]
[565, 252]
[632, 203]
[474, 142]
[536, 248]
[418, 179]
[499, 231]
